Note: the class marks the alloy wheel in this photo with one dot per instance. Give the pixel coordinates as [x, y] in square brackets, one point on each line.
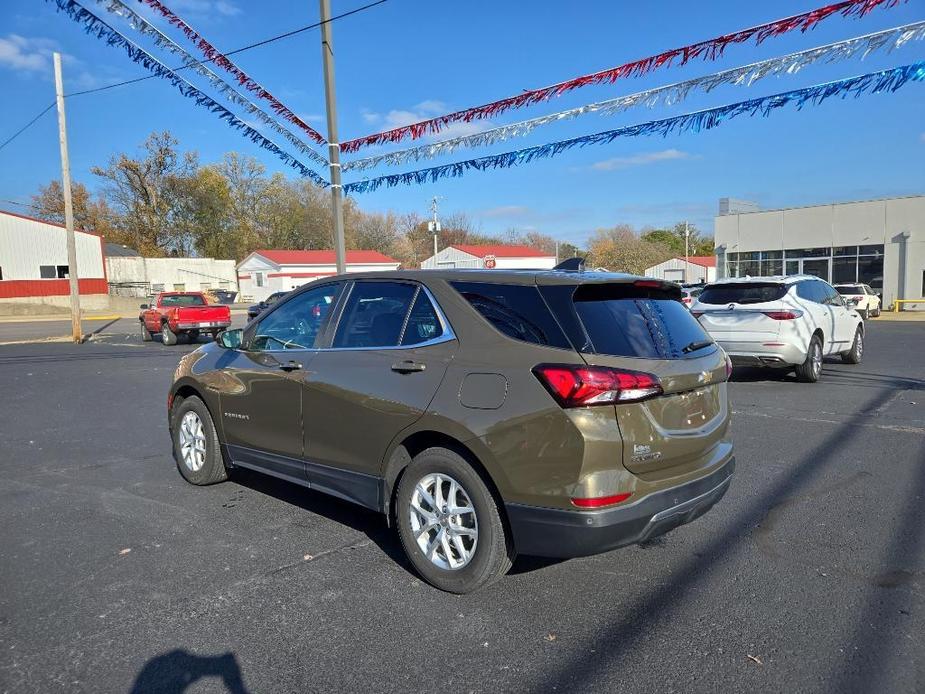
[817, 359]
[859, 344]
[443, 521]
[192, 441]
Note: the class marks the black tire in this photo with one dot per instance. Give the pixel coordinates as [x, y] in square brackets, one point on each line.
[493, 551]
[192, 336]
[856, 353]
[876, 313]
[145, 333]
[168, 336]
[810, 370]
[212, 469]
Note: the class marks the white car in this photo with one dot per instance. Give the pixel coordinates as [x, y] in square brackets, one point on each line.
[861, 298]
[784, 322]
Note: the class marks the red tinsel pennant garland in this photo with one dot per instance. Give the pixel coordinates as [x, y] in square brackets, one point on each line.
[711, 49]
[213, 55]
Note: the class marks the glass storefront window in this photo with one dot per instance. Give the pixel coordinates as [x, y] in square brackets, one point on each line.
[845, 250]
[793, 267]
[751, 268]
[772, 255]
[871, 250]
[844, 270]
[870, 271]
[809, 253]
[772, 267]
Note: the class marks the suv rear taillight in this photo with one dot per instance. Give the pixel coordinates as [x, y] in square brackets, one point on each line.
[578, 386]
[784, 315]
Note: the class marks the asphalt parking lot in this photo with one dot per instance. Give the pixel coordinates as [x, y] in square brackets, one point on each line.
[116, 575]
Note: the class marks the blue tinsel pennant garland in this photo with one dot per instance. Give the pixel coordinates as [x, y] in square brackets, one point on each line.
[93, 25]
[670, 94]
[873, 83]
[164, 42]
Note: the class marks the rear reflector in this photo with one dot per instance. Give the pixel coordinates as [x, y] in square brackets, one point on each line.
[577, 386]
[685, 299]
[784, 315]
[598, 501]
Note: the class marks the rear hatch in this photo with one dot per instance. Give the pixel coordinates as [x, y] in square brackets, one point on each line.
[213, 313]
[741, 311]
[643, 327]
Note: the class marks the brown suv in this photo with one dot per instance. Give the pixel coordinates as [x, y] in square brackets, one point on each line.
[485, 413]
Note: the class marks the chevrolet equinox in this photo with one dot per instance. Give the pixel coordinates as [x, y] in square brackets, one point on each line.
[485, 412]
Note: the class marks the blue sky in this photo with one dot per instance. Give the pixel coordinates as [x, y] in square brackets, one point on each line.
[407, 59]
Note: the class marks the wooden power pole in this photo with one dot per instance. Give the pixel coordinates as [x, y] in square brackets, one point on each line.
[76, 331]
[330, 100]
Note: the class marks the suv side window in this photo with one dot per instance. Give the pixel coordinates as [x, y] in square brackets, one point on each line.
[515, 310]
[811, 290]
[832, 297]
[374, 315]
[423, 323]
[297, 323]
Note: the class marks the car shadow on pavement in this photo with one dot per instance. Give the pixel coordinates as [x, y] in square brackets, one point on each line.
[616, 641]
[177, 671]
[370, 523]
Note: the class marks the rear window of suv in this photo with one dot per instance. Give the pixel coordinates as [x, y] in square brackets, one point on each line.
[850, 289]
[622, 320]
[743, 293]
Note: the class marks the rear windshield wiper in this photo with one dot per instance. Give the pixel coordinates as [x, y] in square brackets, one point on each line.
[694, 346]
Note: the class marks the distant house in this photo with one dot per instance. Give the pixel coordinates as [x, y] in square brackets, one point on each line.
[264, 272]
[502, 257]
[693, 269]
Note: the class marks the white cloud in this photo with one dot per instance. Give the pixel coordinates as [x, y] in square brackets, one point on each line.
[425, 110]
[505, 211]
[26, 54]
[640, 159]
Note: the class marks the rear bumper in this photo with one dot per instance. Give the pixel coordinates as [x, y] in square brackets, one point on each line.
[549, 532]
[204, 325]
[761, 354]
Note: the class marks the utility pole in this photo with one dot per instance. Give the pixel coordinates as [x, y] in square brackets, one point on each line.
[687, 253]
[434, 226]
[557, 251]
[330, 101]
[76, 331]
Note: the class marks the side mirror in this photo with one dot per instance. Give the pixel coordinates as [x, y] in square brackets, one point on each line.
[230, 339]
[143, 306]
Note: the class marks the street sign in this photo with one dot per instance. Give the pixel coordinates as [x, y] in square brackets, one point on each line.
[490, 262]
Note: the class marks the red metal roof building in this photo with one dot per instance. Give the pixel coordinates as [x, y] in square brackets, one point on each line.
[500, 256]
[34, 264]
[265, 272]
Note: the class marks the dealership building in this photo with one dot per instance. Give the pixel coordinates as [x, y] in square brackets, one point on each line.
[875, 242]
[490, 256]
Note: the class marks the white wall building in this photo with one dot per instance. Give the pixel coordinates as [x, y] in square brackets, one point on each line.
[875, 242]
[693, 269]
[264, 272]
[502, 257]
[170, 274]
[34, 265]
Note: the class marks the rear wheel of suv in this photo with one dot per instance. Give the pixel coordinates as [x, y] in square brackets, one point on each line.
[145, 333]
[195, 443]
[856, 353]
[810, 370]
[449, 523]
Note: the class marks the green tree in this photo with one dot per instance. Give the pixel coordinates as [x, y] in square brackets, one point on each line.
[620, 249]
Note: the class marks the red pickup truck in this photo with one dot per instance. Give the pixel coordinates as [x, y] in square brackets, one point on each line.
[182, 313]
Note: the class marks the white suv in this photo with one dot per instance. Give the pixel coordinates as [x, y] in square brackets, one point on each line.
[861, 298]
[785, 322]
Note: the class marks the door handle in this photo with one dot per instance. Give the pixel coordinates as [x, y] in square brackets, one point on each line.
[408, 367]
[290, 366]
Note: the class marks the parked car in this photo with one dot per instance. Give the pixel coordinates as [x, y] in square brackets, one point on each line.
[861, 298]
[485, 413]
[784, 322]
[258, 308]
[182, 313]
[690, 292]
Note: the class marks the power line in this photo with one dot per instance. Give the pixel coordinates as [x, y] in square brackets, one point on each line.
[27, 125]
[236, 50]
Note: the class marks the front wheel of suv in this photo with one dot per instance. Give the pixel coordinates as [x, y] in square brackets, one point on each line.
[856, 353]
[449, 523]
[195, 443]
[810, 370]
